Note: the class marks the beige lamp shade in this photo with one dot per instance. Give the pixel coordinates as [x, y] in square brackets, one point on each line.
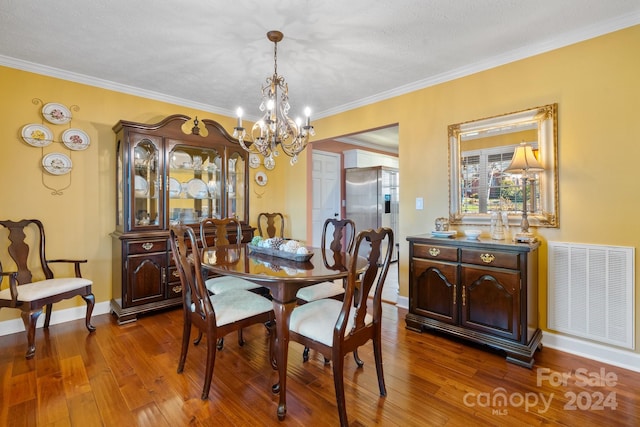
[524, 161]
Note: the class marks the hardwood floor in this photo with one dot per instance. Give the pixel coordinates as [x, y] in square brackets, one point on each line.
[126, 376]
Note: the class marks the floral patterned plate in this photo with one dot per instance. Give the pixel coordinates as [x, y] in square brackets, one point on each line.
[57, 114]
[37, 135]
[75, 139]
[56, 163]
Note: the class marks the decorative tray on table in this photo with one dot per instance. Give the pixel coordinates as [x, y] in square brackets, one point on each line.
[300, 254]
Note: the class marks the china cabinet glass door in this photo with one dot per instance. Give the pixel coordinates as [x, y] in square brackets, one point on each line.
[146, 184]
[236, 186]
[195, 186]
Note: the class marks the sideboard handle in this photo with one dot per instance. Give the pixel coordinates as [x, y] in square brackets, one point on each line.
[434, 251]
[147, 246]
[488, 258]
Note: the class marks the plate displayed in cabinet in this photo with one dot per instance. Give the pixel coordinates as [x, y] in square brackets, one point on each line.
[197, 188]
[57, 114]
[269, 163]
[141, 186]
[254, 160]
[261, 178]
[181, 160]
[175, 188]
[37, 135]
[56, 163]
[75, 139]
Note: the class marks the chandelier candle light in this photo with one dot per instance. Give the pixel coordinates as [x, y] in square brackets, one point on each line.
[524, 163]
[275, 128]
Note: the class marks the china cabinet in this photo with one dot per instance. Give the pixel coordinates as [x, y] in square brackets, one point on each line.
[177, 170]
[484, 291]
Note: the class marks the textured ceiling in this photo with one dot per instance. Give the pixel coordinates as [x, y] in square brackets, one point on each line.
[336, 55]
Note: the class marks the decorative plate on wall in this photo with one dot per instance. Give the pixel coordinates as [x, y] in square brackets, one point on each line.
[75, 139]
[56, 163]
[37, 135]
[57, 114]
[254, 160]
[261, 178]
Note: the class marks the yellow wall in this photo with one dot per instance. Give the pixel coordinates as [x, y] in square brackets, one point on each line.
[595, 84]
[597, 88]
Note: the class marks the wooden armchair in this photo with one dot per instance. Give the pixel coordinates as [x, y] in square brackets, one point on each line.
[31, 296]
[335, 328]
[271, 224]
[213, 315]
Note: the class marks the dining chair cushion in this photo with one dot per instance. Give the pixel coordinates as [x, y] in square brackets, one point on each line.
[46, 288]
[217, 285]
[320, 291]
[235, 305]
[317, 319]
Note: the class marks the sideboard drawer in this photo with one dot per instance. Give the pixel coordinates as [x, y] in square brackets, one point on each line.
[442, 253]
[148, 246]
[490, 258]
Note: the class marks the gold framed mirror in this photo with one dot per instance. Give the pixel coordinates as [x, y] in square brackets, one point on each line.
[480, 151]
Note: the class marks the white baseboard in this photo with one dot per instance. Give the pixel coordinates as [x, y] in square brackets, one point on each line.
[57, 316]
[403, 302]
[602, 353]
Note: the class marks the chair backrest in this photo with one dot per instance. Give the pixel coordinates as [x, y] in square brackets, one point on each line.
[271, 224]
[343, 232]
[221, 227]
[19, 249]
[360, 283]
[186, 254]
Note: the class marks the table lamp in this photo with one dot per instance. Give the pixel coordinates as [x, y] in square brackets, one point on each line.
[524, 163]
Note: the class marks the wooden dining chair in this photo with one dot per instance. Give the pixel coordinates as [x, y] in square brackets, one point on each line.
[213, 315]
[271, 224]
[335, 328]
[219, 284]
[30, 295]
[343, 232]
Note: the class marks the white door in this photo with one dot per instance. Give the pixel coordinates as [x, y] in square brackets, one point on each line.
[326, 191]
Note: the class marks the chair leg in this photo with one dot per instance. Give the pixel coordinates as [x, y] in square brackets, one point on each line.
[47, 315]
[186, 336]
[359, 361]
[338, 381]
[211, 360]
[30, 319]
[271, 325]
[198, 338]
[91, 302]
[377, 353]
[240, 338]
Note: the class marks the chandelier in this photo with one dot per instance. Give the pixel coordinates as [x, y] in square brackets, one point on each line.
[275, 131]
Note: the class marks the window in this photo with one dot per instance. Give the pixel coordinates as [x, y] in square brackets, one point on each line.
[486, 188]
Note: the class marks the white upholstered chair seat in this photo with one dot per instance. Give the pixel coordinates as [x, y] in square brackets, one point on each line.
[46, 288]
[218, 285]
[317, 319]
[320, 291]
[235, 305]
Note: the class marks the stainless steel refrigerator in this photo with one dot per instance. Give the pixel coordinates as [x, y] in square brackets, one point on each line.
[371, 196]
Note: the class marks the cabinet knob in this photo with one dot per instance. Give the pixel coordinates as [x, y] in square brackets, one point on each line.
[147, 246]
[487, 258]
[177, 289]
[434, 251]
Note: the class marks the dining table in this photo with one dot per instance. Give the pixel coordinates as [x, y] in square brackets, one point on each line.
[283, 277]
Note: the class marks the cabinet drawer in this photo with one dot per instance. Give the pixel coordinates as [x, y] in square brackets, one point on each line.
[147, 246]
[443, 253]
[490, 258]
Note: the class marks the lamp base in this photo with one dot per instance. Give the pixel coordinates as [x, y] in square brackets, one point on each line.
[524, 238]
